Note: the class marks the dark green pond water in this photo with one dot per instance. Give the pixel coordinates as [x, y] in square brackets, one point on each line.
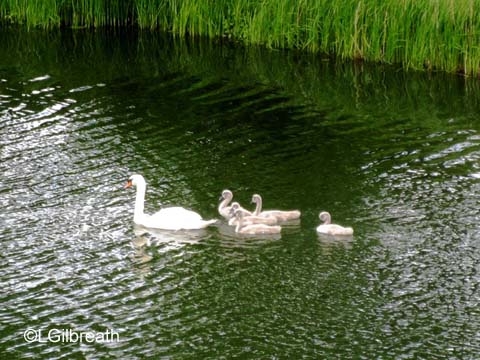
[395, 155]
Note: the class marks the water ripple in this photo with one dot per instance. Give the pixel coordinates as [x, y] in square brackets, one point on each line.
[403, 170]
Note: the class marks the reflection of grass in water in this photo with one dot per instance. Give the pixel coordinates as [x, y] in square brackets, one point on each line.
[417, 33]
[253, 73]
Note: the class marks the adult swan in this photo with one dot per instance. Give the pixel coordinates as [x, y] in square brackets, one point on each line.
[171, 218]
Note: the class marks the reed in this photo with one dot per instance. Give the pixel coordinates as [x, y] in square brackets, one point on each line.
[420, 34]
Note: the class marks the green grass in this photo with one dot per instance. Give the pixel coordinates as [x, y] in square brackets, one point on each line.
[420, 34]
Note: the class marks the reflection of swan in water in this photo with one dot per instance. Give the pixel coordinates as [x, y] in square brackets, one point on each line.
[163, 241]
[332, 245]
[174, 238]
[230, 238]
[140, 255]
[332, 229]
[171, 218]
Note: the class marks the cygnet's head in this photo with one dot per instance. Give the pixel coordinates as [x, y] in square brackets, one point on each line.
[135, 180]
[235, 206]
[256, 198]
[325, 217]
[226, 194]
[238, 214]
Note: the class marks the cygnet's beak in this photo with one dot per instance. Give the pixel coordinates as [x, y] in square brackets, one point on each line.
[128, 184]
[220, 198]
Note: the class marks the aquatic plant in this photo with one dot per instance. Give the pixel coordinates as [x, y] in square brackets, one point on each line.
[419, 34]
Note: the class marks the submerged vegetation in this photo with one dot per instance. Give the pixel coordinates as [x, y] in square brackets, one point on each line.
[420, 34]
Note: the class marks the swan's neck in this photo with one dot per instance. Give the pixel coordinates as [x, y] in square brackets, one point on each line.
[239, 223]
[258, 207]
[327, 219]
[139, 203]
[224, 203]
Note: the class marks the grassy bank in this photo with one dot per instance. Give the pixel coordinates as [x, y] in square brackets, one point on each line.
[420, 34]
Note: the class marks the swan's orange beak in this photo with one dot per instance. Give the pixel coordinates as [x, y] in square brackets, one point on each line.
[128, 184]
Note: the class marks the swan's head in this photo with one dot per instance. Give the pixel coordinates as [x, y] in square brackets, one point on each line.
[135, 180]
[226, 194]
[325, 217]
[256, 198]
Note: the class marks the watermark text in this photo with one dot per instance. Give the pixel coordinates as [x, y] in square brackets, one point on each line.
[70, 336]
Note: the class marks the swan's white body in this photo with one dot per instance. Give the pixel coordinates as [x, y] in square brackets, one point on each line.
[254, 229]
[171, 218]
[280, 215]
[225, 210]
[332, 229]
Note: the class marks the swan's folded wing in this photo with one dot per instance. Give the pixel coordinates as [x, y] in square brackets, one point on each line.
[177, 213]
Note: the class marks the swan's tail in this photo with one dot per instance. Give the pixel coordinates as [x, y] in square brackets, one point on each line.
[294, 215]
[209, 222]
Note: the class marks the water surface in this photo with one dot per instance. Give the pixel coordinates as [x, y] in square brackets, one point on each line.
[393, 154]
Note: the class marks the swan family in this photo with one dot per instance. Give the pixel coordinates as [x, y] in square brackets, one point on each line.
[256, 222]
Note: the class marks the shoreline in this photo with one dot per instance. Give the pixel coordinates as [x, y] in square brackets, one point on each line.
[419, 35]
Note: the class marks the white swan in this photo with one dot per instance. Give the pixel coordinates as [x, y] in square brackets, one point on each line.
[249, 219]
[280, 215]
[332, 229]
[171, 218]
[254, 229]
[223, 208]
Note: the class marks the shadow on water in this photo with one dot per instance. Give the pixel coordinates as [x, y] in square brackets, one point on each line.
[393, 154]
